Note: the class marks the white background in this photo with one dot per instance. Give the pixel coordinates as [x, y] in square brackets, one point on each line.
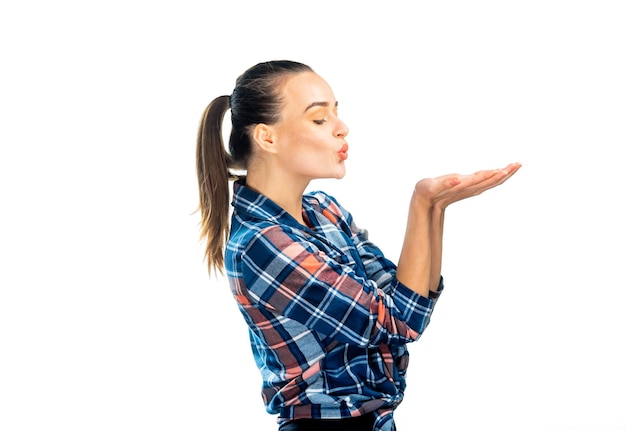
[108, 319]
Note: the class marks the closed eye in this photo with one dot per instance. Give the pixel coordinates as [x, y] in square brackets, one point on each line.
[319, 122]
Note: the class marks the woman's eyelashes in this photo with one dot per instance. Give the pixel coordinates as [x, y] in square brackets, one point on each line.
[323, 120]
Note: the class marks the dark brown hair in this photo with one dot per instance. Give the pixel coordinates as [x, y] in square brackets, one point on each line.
[255, 100]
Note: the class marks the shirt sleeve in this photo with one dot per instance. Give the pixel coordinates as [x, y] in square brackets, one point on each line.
[290, 276]
[378, 268]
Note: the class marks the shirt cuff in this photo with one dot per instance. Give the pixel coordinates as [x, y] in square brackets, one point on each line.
[415, 309]
[434, 294]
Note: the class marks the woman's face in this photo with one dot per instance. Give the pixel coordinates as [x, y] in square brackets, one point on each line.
[310, 138]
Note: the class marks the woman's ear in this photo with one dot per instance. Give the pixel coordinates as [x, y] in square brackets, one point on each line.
[263, 136]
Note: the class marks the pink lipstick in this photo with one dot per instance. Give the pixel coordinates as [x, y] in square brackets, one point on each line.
[343, 153]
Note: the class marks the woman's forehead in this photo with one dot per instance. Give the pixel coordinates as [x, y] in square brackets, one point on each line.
[307, 88]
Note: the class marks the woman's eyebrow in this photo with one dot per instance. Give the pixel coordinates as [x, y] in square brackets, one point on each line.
[324, 104]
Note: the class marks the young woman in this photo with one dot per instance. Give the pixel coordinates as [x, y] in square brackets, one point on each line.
[329, 316]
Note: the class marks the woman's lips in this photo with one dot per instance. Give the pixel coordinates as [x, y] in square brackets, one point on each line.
[343, 153]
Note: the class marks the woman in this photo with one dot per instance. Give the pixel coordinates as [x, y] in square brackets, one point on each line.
[329, 316]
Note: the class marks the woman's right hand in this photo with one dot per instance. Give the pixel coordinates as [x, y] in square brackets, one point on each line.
[447, 189]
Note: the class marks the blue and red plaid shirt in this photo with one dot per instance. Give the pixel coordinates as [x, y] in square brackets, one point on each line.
[328, 320]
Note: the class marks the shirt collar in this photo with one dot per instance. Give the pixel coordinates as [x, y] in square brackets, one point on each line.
[251, 204]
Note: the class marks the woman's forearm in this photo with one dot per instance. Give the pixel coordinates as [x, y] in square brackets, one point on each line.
[436, 242]
[419, 266]
[416, 261]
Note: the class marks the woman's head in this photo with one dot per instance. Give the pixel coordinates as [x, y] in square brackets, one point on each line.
[256, 99]
[307, 141]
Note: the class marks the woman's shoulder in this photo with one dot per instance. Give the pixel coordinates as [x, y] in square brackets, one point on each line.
[324, 200]
[329, 206]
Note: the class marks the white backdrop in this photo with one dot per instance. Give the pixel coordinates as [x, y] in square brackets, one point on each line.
[108, 320]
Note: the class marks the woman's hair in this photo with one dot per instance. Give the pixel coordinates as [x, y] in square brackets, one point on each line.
[256, 99]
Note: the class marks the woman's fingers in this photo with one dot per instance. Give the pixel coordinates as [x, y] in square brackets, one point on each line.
[452, 188]
[490, 178]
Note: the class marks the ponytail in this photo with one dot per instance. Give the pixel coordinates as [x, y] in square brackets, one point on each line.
[256, 99]
[212, 163]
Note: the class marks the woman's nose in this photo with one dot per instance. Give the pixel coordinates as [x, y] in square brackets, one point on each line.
[342, 130]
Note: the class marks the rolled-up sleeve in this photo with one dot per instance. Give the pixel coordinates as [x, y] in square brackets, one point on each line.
[293, 278]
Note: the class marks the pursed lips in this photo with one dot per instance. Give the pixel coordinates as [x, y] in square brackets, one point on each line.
[343, 153]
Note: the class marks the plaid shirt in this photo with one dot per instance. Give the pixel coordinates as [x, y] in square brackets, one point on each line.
[328, 320]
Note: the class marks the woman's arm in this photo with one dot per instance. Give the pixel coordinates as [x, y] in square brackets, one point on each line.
[419, 266]
[436, 246]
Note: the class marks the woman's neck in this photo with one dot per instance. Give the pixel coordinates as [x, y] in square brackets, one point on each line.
[284, 192]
